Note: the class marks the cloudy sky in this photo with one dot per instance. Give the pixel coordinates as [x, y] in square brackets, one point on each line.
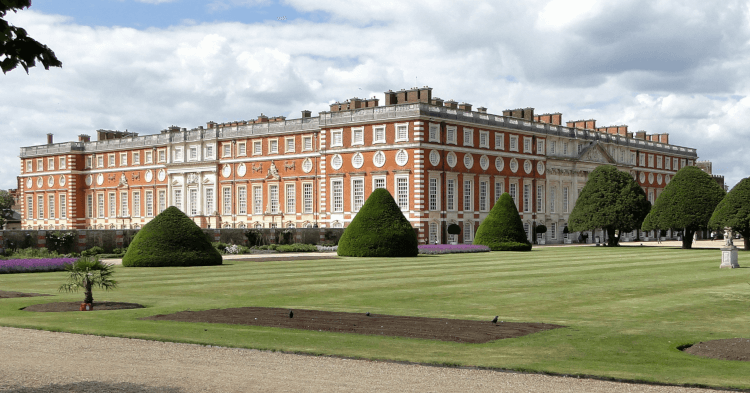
[680, 67]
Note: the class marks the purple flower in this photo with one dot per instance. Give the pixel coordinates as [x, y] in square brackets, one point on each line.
[451, 248]
[34, 265]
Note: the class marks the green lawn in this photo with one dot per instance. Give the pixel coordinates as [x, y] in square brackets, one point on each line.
[626, 309]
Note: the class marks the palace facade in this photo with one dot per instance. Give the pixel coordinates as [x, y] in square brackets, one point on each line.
[442, 161]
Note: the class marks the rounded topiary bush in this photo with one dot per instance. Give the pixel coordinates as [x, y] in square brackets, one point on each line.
[171, 239]
[502, 230]
[379, 230]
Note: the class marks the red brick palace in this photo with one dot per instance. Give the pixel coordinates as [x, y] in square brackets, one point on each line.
[442, 161]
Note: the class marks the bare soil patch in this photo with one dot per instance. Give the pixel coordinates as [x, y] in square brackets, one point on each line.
[457, 330]
[12, 294]
[727, 349]
[76, 306]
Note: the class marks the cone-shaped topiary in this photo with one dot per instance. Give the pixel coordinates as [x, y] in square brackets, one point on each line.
[734, 211]
[502, 230]
[171, 239]
[379, 230]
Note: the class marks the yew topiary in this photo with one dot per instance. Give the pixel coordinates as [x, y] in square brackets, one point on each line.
[379, 230]
[686, 203]
[171, 239]
[734, 211]
[502, 230]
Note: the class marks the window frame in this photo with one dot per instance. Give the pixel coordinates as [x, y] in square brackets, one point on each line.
[379, 129]
[513, 143]
[398, 137]
[402, 199]
[468, 137]
[337, 137]
[358, 136]
[289, 145]
[486, 136]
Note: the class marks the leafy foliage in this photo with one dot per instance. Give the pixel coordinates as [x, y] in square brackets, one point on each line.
[16, 47]
[734, 211]
[379, 230]
[6, 207]
[171, 239]
[86, 273]
[610, 200]
[687, 203]
[61, 242]
[502, 230]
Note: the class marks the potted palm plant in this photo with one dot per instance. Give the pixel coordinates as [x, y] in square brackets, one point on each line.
[86, 273]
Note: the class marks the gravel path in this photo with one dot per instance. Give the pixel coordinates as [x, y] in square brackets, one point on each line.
[33, 361]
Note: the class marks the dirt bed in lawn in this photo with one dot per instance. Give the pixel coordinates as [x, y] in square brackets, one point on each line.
[12, 294]
[76, 306]
[463, 331]
[727, 349]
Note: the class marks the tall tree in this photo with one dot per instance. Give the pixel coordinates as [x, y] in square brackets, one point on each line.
[734, 211]
[16, 47]
[610, 200]
[6, 207]
[686, 204]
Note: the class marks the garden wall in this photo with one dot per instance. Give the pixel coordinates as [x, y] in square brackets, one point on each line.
[109, 239]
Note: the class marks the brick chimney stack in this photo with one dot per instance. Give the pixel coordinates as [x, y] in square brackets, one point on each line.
[84, 138]
[49, 138]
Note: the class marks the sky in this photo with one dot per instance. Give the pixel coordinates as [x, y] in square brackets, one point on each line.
[663, 66]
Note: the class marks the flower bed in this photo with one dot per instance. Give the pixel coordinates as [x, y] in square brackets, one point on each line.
[451, 248]
[34, 265]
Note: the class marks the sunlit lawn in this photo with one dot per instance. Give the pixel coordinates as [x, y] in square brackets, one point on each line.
[626, 309]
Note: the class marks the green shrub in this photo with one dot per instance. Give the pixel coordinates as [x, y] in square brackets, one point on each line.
[379, 230]
[61, 242]
[96, 250]
[171, 239]
[254, 237]
[33, 253]
[297, 247]
[220, 247]
[502, 230]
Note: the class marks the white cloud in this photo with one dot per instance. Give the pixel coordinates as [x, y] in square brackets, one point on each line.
[676, 67]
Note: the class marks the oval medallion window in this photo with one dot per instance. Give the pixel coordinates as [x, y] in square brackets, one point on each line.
[451, 159]
[402, 157]
[499, 164]
[659, 179]
[241, 170]
[484, 162]
[513, 165]
[89, 180]
[337, 162]
[434, 158]
[540, 167]
[29, 183]
[379, 159]
[100, 179]
[62, 180]
[149, 176]
[666, 179]
[527, 166]
[307, 165]
[358, 160]
[650, 178]
[162, 175]
[468, 161]
[642, 178]
[51, 181]
[226, 171]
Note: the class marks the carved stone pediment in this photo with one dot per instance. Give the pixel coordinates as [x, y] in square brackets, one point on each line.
[595, 152]
[273, 173]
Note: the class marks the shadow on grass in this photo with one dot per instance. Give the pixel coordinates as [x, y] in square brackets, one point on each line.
[93, 387]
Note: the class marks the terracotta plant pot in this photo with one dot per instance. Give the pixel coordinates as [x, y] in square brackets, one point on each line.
[87, 307]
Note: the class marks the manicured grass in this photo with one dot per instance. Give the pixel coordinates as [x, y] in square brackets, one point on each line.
[627, 309]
